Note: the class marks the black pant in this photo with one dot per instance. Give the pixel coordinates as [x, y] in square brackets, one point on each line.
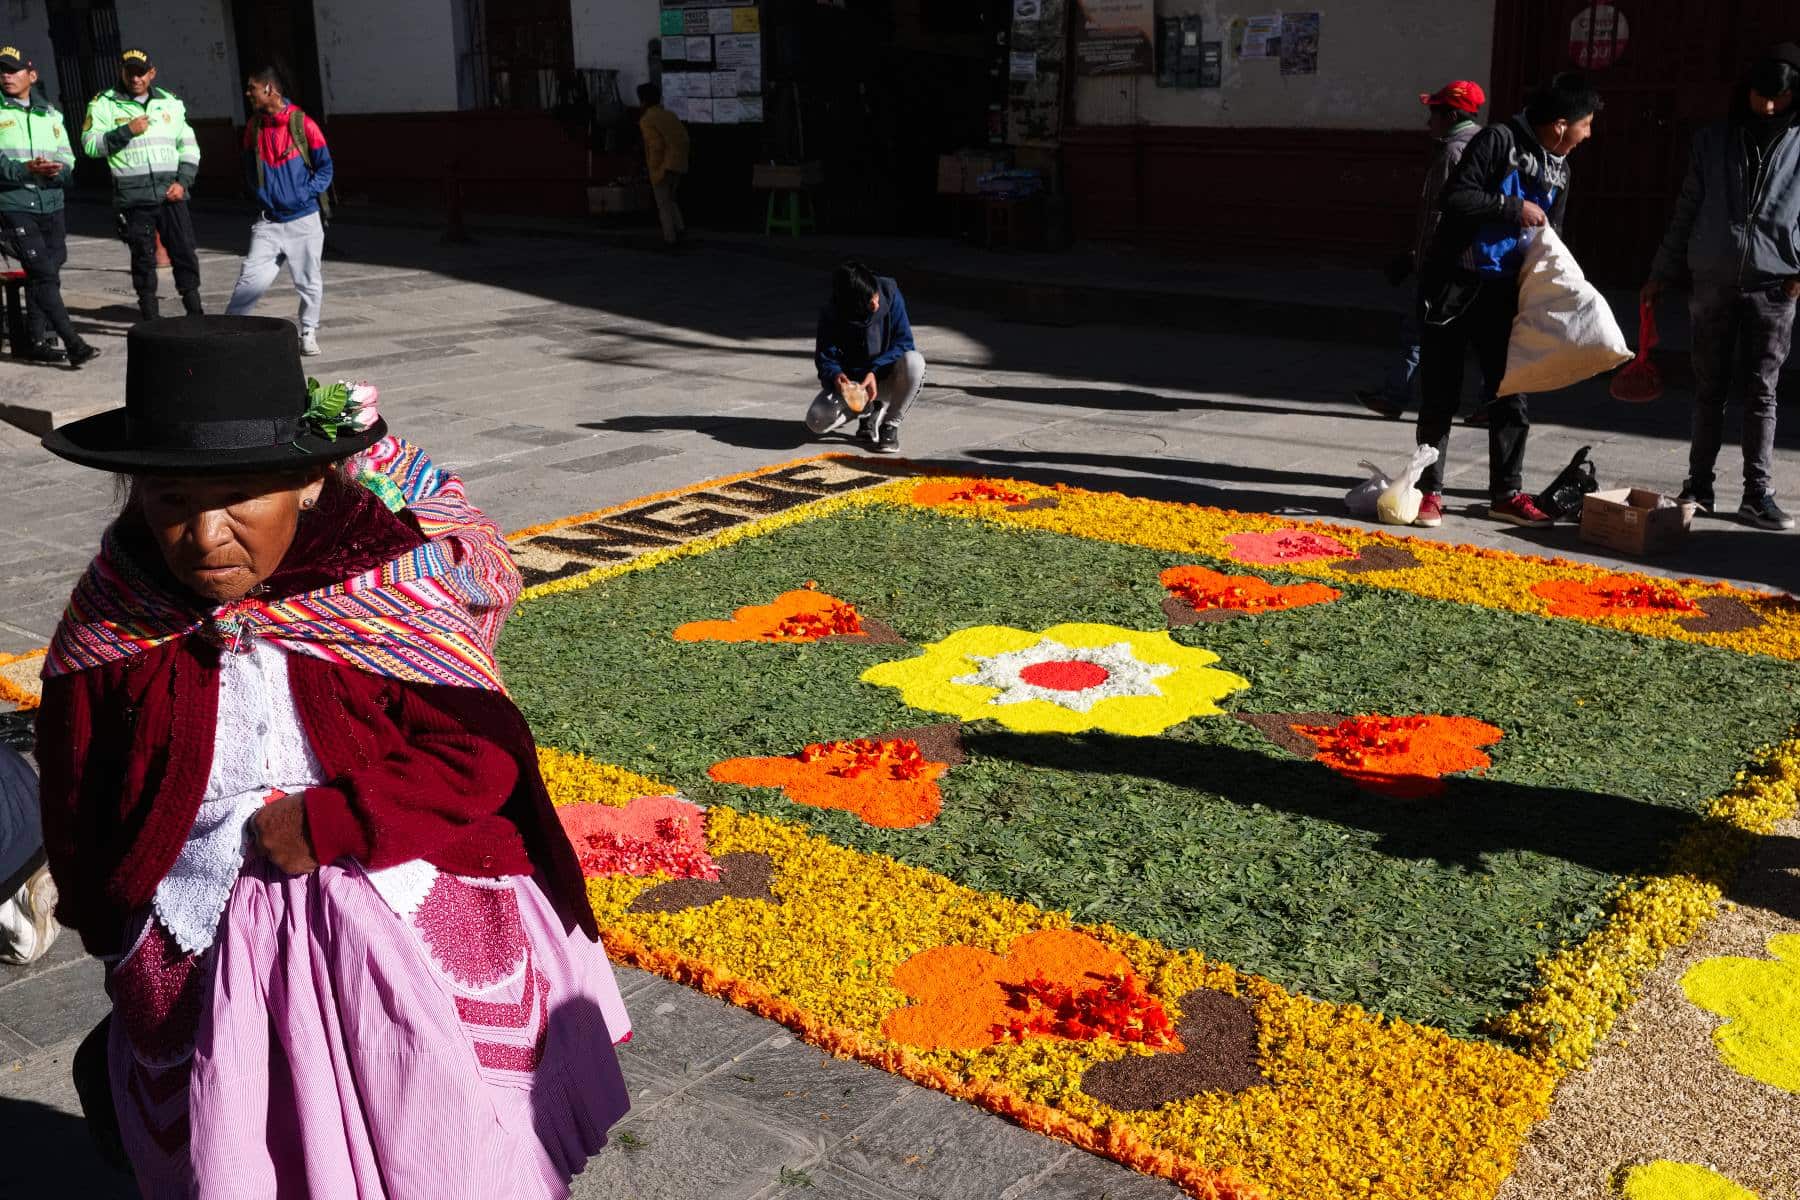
[1741, 340]
[40, 242]
[171, 219]
[1484, 325]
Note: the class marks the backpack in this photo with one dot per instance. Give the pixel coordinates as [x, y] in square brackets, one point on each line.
[297, 135]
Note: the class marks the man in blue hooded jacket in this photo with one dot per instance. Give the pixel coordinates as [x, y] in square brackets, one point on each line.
[1732, 241]
[865, 340]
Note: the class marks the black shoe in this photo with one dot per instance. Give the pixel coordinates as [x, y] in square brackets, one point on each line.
[1762, 512]
[190, 301]
[1698, 496]
[44, 352]
[81, 353]
[1377, 402]
[889, 442]
[148, 308]
[869, 431]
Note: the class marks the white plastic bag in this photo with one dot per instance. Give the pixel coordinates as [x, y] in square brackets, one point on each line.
[1400, 503]
[1361, 499]
[1565, 331]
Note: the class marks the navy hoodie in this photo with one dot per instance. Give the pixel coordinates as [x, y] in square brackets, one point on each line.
[858, 348]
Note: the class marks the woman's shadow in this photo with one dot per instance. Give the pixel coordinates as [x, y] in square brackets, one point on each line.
[49, 1153]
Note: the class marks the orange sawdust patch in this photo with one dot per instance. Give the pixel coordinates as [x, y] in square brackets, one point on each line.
[1207, 590]
[933, 492]
[886, 782]
[1613, 596]
[1053, 983]
[802, 615]
[1405, 757]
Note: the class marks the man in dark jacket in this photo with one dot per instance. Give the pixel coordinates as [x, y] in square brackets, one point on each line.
[866, 340]
[1452, 124]
[1513, 178]
[1732, 240]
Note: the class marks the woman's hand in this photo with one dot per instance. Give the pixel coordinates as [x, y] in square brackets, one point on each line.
[280, 831]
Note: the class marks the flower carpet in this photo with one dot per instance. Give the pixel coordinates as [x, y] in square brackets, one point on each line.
[1283, 860]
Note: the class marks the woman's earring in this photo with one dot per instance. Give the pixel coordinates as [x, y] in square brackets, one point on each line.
[308, 503]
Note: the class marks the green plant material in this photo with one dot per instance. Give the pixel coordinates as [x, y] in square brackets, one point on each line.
[794, 1177]
[630, 1140]
[1207, 837]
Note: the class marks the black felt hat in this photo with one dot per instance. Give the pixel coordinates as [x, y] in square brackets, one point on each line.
[212, 396]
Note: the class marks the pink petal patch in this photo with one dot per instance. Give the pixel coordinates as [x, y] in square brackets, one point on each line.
[1285, 546]
[648, 835]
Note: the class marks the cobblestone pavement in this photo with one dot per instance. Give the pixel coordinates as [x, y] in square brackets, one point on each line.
[560, 377]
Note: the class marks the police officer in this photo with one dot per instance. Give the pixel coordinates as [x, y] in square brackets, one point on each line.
[142, 132]
[36, 164]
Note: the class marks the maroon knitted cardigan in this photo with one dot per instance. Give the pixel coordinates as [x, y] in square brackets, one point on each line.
[445, 774]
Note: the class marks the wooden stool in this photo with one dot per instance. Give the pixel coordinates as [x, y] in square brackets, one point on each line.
[14, 331]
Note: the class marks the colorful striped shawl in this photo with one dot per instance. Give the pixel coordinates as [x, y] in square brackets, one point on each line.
[431, 615]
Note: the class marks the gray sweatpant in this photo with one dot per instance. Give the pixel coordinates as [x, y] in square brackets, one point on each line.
[300, 244]
[1741, 338]
[897, 387]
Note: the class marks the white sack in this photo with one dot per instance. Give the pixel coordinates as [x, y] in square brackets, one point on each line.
[1399, 505]
[1362, 499]
[1565, 331]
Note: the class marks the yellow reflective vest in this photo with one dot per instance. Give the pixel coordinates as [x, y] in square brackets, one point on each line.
[145, 164]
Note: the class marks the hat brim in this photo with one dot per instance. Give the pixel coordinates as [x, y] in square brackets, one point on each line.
[103, 443]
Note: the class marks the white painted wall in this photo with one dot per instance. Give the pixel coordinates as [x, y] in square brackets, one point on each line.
[614, 35]
[387, 56]
[28, 27]
[191, 44]
[1375, 57]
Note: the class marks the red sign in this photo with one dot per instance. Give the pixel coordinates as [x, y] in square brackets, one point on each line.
[1598, 36]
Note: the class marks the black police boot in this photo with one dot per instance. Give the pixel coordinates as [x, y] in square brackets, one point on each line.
[190, 300]
[81, 353]
[44, 352]
[148, 308]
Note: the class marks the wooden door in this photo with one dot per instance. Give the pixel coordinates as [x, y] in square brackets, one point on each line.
[1672, 72]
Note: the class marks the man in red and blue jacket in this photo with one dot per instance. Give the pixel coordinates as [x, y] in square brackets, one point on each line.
[287, 167]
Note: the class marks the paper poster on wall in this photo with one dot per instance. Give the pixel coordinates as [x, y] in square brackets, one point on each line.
[749, 80]
[674, 49]
[1115, 37]
[746, 20]
[728, 111]
[1026, 11]
[1212, 64]
[722, 83]
[718, 20]
[752, 108]
[738, 50]
[694, 21]
[1023, 65]
[1299, 43]
[699, 49]
[1262, 37]
[672, 23]
[699, 112]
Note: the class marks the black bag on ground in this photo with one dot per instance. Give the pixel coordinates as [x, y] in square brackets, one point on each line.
[1564, 495]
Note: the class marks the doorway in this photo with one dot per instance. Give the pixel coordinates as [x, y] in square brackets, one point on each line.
[84, 37]
[280, 34]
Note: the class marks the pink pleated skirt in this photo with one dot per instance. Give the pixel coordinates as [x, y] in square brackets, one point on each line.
[327, 1046]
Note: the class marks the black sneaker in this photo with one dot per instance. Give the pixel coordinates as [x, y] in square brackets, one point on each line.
[1762, 512]
[82, 353]
[1701, 497]
[44, 352]
[869, 432]
[1378, 403]
[889, 442]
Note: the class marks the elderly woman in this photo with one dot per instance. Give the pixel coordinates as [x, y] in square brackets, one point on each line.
[286, 798]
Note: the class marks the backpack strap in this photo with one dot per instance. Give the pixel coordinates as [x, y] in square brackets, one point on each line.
[297, 135]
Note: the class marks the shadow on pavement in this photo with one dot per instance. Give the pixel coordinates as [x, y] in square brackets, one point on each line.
[49, 1153]
[752, 433]
[1167, 466]
[1716, 547]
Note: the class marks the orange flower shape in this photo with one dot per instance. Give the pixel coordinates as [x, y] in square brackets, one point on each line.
[1404, 757]
[1613, 596]
[888, 783]
[1052, 983]
[802, 615]
[1206, 590]
[934, 492]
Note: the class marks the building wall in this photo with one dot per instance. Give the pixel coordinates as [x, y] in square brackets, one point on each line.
[615, 35]
[1375, 57]
[30, 32]
[388, 56]
[191, 44]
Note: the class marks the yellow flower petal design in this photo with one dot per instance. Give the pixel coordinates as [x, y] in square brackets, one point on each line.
[1151, 682]
[1665, 1180]
[1760, 1001]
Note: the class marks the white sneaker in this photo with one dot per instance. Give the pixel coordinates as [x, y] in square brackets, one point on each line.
[309, 342]
[28, 925]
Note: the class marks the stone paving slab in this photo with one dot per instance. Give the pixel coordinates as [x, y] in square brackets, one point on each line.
[565, 377]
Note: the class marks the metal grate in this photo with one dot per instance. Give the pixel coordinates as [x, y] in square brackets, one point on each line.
[85, 37]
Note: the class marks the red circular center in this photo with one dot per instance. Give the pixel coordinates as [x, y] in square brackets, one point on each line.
[1068, 675]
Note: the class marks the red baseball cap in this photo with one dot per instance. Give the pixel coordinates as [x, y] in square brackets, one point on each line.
[1465, 95]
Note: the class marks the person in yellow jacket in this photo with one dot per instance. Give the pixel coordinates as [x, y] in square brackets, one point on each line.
[666, 154]
[142, 132]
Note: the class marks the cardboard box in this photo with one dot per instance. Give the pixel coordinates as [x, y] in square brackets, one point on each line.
[620, 198]
[787, 177]
[958, 174]
[1629, 520]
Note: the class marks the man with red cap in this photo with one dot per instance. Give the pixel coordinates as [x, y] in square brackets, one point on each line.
[1452, 123]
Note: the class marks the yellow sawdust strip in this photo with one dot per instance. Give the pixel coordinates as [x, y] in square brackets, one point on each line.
[19, 683]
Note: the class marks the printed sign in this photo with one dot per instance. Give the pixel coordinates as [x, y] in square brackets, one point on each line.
[1598, 36]
[1115, 37]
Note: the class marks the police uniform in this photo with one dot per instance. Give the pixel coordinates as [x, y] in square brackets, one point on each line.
[32, 231]
[143, 166]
